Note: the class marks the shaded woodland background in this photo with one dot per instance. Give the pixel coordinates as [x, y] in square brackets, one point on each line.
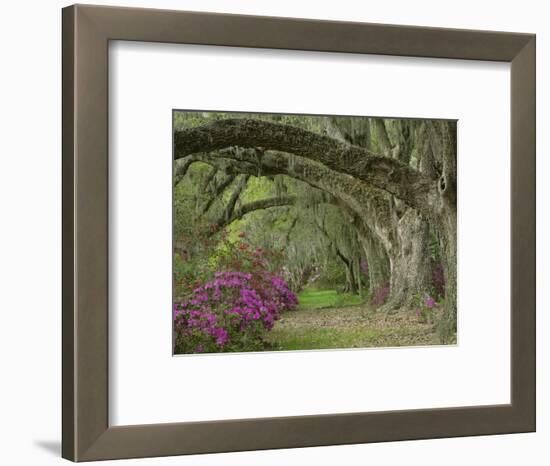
[296, 232]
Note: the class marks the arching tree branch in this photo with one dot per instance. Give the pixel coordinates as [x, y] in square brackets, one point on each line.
[367, 203]
[260, 204]
[384, 173]
[218, 190]
[253, 206]
[239, 189]
[181, 167]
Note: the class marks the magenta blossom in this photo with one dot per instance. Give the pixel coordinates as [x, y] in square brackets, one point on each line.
[429, 302]
[231, 312]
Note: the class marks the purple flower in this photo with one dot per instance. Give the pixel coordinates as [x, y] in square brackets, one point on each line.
[430, 302]
[221, 335]
[234, 306]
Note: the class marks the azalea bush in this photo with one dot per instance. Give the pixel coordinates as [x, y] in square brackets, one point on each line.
[233, 312]
[232, 301]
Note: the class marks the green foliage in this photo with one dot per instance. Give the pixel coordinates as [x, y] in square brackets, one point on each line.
[187, 273]
[314, 298]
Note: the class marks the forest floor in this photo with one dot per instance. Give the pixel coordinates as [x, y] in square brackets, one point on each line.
[346, 323]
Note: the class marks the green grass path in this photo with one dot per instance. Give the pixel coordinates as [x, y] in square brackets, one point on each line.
[313, 298]
[326, 319]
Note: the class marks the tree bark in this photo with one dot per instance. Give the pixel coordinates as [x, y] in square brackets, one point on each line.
[232, 202]
[447, 325]
[384, 173]
[217, 192]
[443, 138]
[410, 262]
[351, 282]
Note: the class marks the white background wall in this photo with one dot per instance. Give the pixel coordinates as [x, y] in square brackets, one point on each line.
[30, 232]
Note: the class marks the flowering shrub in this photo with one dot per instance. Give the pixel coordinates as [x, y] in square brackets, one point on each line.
[229, 295]
[380, 294]
[231, 313]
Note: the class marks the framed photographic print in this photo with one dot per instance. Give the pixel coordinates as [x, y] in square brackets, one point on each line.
[284, 233]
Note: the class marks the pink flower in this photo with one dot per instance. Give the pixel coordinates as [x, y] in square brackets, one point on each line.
[430, 302]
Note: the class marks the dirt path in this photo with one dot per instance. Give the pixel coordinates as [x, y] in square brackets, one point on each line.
[349, 327]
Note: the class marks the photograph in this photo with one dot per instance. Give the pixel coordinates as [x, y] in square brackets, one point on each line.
[304, 232]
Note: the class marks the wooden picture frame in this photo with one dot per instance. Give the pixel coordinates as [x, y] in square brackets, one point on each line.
[86, 432]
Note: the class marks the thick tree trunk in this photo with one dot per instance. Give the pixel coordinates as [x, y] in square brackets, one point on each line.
[410, 262]
[447, 324]
[408, 247]
[446, 219]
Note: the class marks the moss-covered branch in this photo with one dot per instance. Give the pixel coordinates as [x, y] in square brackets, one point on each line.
[384, 173]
